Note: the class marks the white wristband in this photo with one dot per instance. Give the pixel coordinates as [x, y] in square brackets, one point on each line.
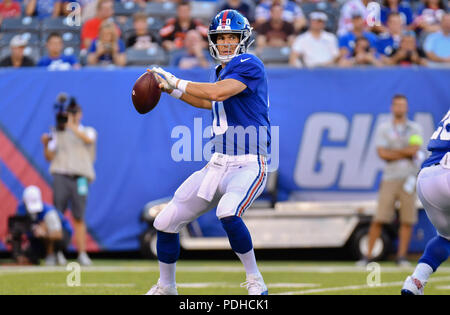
[182, 84]
[176, 93]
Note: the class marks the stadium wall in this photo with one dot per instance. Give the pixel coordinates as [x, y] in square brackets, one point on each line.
[326, 119]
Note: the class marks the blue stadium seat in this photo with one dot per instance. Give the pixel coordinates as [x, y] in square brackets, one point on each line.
[155, 24]
[275, 55]
[126, 8]
[60, 25]
[24, 24]
[5, 38]
[158, 9]
[146, 57]
[204, 10]
[331, 11]
[72, 50]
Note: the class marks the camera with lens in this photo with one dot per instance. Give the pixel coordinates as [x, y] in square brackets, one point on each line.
[18, 226]
[64, 106]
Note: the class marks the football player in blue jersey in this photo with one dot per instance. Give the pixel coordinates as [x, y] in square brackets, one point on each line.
[236, 174]
[433, 189]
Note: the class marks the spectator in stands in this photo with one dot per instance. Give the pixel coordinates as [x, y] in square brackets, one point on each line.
[50, 232]
[347, 41]
[193, 55]
[238, 5]
[363, 55]
[437, 45]
[292, 13]
[88, 9]
[175, 30]
[390, 40]
[9, 9]
[17, 58]
[407, 53]
[44, 8]
[90, 29]
[348, 10]
[316, 47]
[276, 32]
[242, 6]
[108, 48]
[141, 37]
[394, 146]
[429, 15]
[396, 6]
[56, 60]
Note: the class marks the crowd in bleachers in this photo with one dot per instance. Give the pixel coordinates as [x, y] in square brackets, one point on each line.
[60, 34]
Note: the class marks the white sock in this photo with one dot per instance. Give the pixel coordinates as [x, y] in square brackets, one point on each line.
[167, 274]
[249, 261]
[422, 272]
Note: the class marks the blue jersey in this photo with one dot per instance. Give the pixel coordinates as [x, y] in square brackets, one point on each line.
[39, 217]
[241, 123]
[349, 40]
[387, 44]
[439, 143]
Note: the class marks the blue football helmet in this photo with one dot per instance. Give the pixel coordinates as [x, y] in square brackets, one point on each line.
[229, 21]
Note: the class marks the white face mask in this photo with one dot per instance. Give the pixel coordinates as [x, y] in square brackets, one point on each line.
[241, 48]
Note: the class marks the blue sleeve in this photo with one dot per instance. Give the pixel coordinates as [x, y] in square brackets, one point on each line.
[21, 210]
[247, 71]
[373, 40]
[380, 46]
[121, 46]
[407, 11]
[342, 41]
[384, 15]
[93, 46]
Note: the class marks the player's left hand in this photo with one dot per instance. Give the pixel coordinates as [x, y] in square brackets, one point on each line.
[170, 78]
[163, 84]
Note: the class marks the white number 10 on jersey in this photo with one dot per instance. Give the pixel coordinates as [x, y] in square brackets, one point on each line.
[442, 133]
[220, 123]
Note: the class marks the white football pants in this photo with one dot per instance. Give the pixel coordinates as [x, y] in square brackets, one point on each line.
[433, 189]
[230, 183]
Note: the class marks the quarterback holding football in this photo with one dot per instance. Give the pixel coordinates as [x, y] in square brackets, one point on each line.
[237, 172]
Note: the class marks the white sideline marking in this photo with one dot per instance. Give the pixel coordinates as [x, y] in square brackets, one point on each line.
[443, 287]
[93, 285]
[357, 287]
[203, 269]
[206, 285]
[201, 285]
[292, 285]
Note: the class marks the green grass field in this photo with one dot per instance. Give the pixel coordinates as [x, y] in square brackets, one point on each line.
[214, 278]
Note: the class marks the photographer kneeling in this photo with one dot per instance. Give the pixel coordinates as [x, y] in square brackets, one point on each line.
[71, 150]
[49, 232]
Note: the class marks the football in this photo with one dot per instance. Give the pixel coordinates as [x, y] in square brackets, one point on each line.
[146, 93]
